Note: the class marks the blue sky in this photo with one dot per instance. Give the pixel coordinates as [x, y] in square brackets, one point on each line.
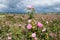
[18, 6]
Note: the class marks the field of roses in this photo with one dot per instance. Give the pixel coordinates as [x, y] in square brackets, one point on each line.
[22, 27]
[29, 26]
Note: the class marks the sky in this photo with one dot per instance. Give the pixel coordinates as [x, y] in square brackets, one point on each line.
[18, 6]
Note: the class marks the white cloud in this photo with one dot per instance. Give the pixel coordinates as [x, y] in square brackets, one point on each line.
[40, 2]
[3, 1]
[56, 8]
[2, 6]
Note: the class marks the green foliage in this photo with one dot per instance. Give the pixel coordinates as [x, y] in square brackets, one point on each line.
[22, 33]
[31, 14]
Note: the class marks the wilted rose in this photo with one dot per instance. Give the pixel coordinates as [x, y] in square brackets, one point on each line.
[43, 30]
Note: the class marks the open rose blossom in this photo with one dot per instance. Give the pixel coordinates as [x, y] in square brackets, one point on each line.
[40, 25]
[33, 35]
[29, 26]
[29, 6]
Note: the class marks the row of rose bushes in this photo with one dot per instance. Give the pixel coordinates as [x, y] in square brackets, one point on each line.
[32, 30]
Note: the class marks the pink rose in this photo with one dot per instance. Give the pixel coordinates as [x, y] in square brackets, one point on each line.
[33, 35]
[29, 26]
[40, 25]
[35, 38]
[51, 34]
[29, 6]
[9, 38]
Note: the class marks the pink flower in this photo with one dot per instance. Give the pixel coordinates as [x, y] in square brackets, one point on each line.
[29, 21]
[40, 25]
[35, 38]
[29, 6]
[33, 35]
[9, 38]
[19, 24]
[29, 26]
[51, 34]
